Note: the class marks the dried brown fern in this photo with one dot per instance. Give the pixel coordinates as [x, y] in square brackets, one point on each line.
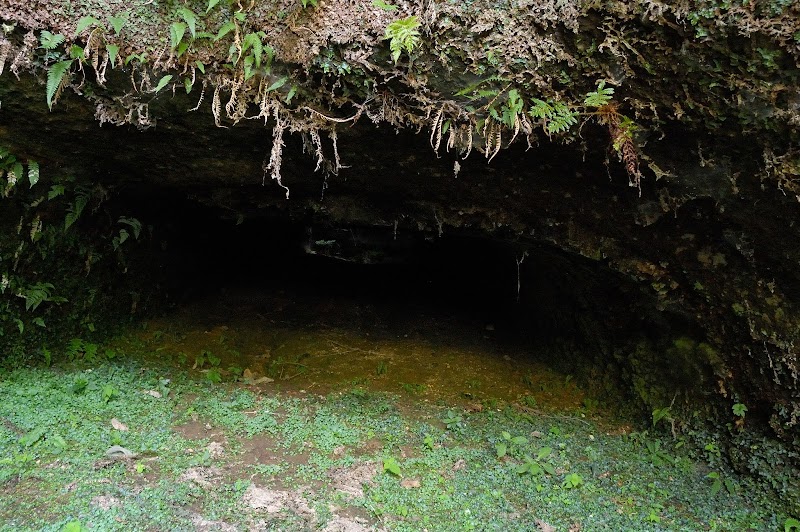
[5, 50]
[317, 141]
[23, 59]
[622, 141]
[436, 131]
[216, 106]
[202, 96]
[273, 167]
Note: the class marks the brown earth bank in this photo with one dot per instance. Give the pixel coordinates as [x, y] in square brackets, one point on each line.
[647, 233]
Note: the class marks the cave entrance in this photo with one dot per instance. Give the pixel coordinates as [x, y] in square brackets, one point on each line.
[317, 307]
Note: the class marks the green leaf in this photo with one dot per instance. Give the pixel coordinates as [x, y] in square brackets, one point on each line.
[214, 375]
[32, 437]
[253, 40]
[403, 35]
[84, 23]
[142, 58]
[211, 5]
[33, 172]
[544, 453]
[501, 449]
[599, 97]
[113, 53]
[39, 321]
[549, 468]
[791, 524]
[291, 94]
[55, 77]
[36, 294]
[383, 5]
[190, 18]
[163, 82]
[739, 409]
[75, 209]
[176, 33]
[225, 29]
[506, 435]
[55, 191]
[49, 40]
[117, 22]
[390, 465]
[519, 440]
[77, 52]
[182, 47]
[187, 84]
[200, 66]
[109, 393]
[240, 16]
[17, 172]
[278, 84]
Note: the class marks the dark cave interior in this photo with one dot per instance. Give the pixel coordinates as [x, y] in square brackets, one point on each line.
[532, 294]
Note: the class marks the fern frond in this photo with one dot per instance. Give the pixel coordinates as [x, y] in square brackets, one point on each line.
[403, 34]
[55, 80]
[84, 23]
[74, 211]
[36, 295]
[50, 41]
[190, 18]
[599, 97]
[176, 32]
[117, 22]
[134, 224]
[33, 172]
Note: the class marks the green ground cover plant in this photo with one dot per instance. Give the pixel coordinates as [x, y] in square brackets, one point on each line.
[106, 443]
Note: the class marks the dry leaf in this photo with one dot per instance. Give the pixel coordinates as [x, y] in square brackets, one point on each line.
[119, 425]
[409, 483]
[544, 527]
[153, 393]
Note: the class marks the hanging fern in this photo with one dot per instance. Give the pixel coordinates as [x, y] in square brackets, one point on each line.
[33, 172]
[50, 41]
[37, 294]
[599, 97]
[403, 35]
[55, 80]
[74, 211]
[557, 116]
